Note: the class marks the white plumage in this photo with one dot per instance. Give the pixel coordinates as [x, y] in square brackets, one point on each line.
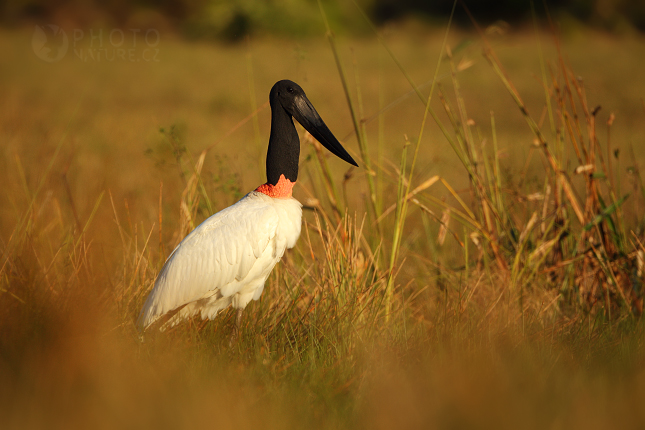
[225, 260]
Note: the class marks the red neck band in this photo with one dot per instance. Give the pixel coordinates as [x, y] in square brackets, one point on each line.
[281, 190]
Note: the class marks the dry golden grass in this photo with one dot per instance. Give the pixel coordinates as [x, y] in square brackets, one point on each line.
[97, 158]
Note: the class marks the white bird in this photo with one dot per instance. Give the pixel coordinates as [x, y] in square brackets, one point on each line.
[227, 258]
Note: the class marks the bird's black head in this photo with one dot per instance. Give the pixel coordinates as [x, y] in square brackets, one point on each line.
[290, 97]
[284, 94]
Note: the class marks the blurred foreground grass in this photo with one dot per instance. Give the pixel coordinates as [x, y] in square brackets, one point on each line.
[103, 171]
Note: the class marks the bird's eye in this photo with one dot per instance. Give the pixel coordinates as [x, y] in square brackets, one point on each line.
[278, 93]
[289, 89]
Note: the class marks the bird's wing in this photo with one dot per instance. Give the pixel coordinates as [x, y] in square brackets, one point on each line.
[220, 251]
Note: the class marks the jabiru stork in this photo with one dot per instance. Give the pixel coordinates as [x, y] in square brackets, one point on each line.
[228, 257]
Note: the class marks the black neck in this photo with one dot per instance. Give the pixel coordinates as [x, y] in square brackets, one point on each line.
[284, 147]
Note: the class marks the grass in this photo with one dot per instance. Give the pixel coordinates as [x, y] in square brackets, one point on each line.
[478, 282]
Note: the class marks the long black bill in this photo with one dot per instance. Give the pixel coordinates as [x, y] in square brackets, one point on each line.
[307, 116]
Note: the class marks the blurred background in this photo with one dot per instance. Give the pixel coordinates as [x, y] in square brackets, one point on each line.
[125, 124]
[234, 20]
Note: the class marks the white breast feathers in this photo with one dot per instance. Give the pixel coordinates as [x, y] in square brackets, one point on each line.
[225, 260]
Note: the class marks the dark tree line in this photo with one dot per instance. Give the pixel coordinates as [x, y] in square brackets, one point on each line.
[232, 19]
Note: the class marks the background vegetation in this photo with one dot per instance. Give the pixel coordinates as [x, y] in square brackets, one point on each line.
[482, 268]
[232, 20]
